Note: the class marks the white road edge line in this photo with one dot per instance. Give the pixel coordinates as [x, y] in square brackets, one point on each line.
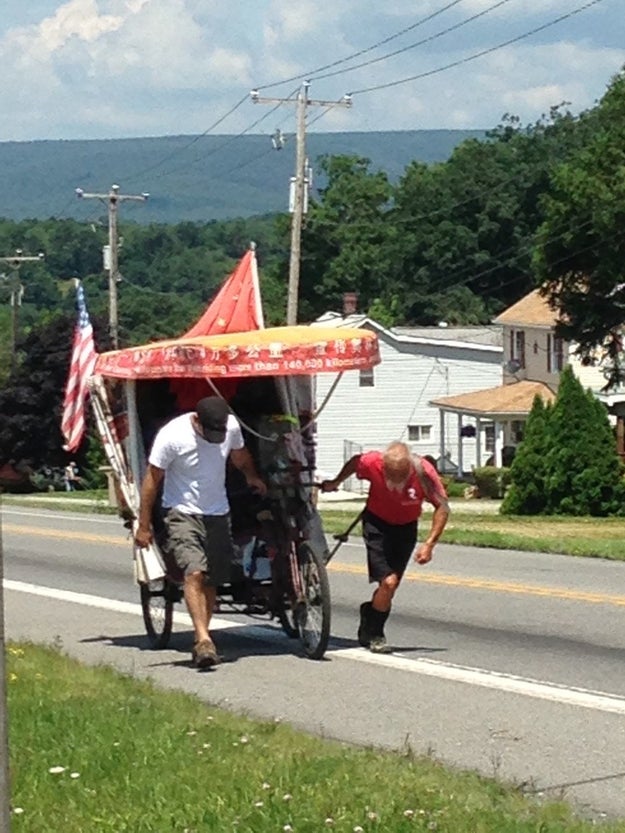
[508, 683]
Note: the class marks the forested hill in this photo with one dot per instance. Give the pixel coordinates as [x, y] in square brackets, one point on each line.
[198, 179]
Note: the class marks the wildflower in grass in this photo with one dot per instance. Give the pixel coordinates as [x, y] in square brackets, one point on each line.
[258, 804]
[206, 746]
[409, 813]
[287, 828]
[12, 677]
[74, 775]
[358, 829]
[56, 770]
[266, 786]
[372, 816]
[17, 811]
[329, 822]
[244, 739]
[116, 743]
[287, 797]
[191, 733]
[16, 652]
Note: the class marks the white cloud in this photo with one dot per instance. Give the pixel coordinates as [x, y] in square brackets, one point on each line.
[93, 68]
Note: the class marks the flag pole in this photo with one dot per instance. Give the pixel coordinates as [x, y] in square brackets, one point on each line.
[258, 307]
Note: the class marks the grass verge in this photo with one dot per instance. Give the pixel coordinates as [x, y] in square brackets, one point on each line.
[93, 751]
[591, 537]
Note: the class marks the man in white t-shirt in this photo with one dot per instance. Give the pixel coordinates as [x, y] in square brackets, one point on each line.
[190, 454]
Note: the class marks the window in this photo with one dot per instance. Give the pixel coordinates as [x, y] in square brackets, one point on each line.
[419, 433]
[517, 347]
[366, 378]
[517, 427]
[489, 438]
[555, 354]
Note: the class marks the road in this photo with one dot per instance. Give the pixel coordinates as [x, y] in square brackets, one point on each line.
[507, 662]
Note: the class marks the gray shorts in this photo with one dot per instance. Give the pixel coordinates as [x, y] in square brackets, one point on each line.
[201, 543]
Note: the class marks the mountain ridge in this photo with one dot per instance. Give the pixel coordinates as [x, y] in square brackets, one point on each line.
[197, 179]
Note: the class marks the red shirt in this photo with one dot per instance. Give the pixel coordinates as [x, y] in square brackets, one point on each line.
[399, 507]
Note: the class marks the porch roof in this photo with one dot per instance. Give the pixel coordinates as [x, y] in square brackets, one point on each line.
[508, 401]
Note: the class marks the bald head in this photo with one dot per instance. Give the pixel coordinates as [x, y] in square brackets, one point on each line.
[397, 462]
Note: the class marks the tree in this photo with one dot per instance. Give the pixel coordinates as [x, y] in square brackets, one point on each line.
[31, 401]
[469, 223]
[584, 472]
[527, 493]
[581, 244]
[342, 246]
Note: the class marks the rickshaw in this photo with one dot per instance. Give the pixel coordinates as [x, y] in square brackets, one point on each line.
[267, 378]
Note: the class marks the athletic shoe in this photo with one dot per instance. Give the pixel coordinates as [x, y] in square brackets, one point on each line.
[204, 654]
[379, 645]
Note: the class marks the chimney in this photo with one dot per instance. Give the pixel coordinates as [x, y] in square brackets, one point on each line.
[350, 303]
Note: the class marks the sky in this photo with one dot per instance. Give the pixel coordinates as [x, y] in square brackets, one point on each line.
[98, 69]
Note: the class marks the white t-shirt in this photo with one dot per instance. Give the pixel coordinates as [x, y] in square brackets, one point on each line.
[195, 470]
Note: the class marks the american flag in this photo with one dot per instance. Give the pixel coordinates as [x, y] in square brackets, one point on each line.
[80, 370]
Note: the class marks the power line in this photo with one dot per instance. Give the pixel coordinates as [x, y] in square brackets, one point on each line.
[480, 54]
[230, 140]
[189, 144]
[410, 46]
[360, 52]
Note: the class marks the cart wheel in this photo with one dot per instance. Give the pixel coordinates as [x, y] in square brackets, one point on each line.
[312, 615]
[158, 607]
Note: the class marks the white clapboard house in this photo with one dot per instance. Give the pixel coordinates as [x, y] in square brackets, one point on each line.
[367, 410]
[533, 358]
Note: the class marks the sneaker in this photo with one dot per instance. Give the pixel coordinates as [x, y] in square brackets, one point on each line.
[379, 645]
[204, 654]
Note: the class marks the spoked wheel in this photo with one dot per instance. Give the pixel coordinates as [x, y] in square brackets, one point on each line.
[311, 614]
[285, 617]
[158, 607]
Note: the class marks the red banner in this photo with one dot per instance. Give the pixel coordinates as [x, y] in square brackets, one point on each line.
[279, 351]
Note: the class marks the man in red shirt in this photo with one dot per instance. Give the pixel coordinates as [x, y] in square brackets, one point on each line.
[399, 483]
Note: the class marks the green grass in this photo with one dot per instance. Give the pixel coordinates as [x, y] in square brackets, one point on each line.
[136, 759]
[592, 537]
[65, 501]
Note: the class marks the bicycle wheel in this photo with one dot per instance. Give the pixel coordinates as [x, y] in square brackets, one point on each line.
[282, 602]
[158, 608]
[312, 612]
[285, 617]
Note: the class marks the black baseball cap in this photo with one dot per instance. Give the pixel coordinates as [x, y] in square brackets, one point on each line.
[212, 413]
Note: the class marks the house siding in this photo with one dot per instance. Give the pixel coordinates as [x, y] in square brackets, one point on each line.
[409, 376]
[537, 368]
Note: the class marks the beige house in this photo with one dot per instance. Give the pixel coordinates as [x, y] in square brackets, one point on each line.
[533, 357]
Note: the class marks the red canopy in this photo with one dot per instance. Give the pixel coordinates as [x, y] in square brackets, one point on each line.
[277, 351]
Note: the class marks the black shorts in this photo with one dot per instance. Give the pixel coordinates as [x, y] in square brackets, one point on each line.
[200, 543]
[389, 546]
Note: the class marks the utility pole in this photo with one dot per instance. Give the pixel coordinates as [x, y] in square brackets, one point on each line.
[16, 293]
[300, 183]
[112, 200]
[5, 779]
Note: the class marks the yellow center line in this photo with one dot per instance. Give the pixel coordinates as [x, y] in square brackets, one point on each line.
[65, 534]
[516, 588]
[495, 586]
